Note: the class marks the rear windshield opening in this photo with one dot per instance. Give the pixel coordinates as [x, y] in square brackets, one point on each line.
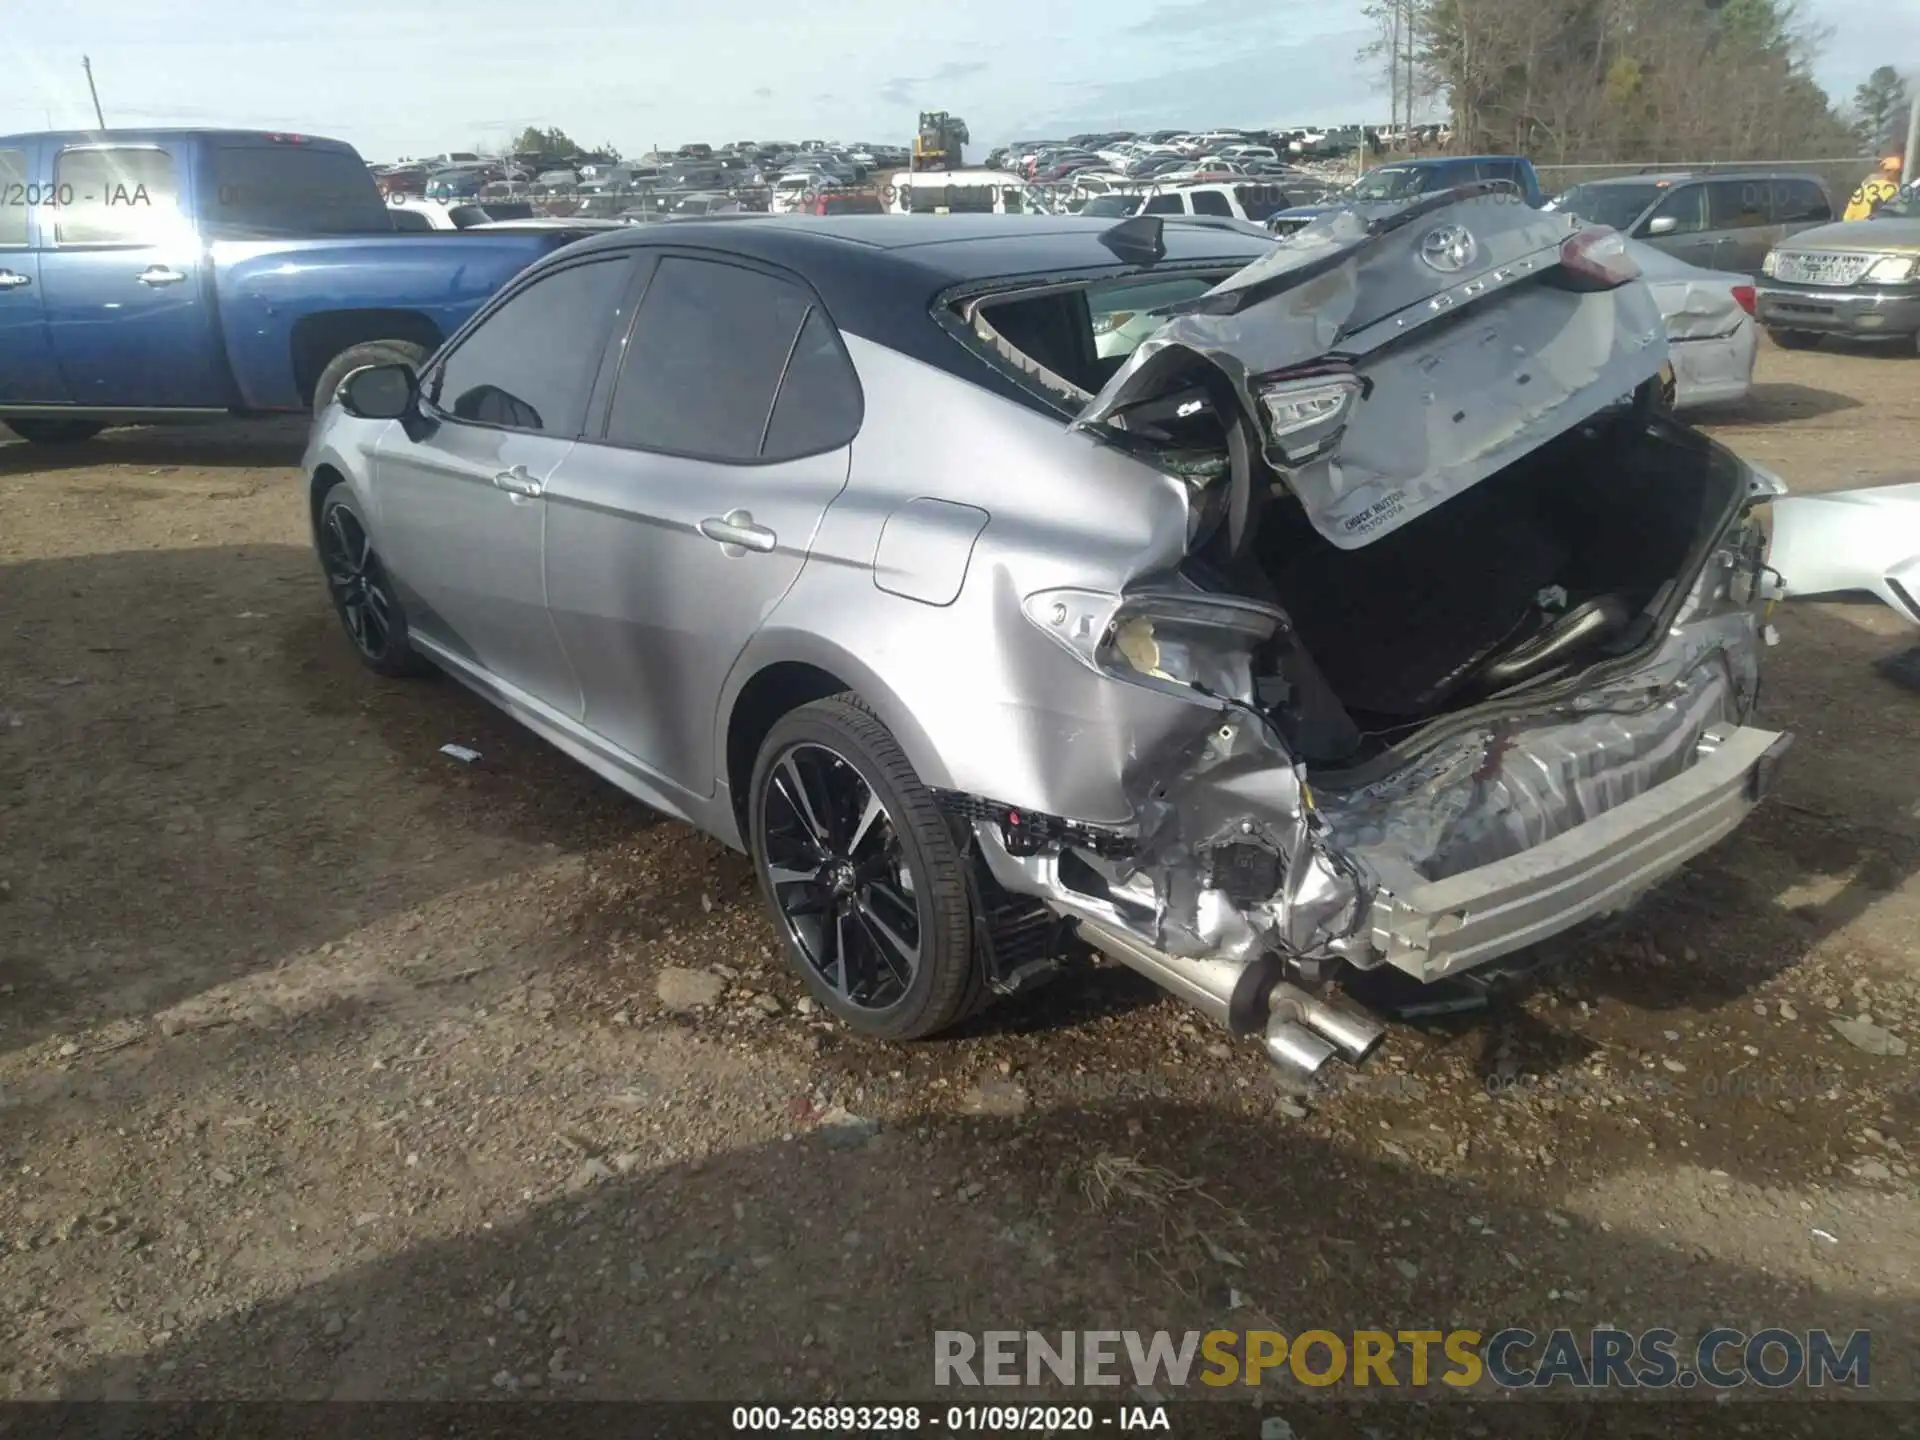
[1078, 338]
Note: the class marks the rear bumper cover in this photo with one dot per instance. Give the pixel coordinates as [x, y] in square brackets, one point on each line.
[1441, 927]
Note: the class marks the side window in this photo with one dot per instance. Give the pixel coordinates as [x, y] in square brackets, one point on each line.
[1163, 205]
[1260, 201]
[705, 359]
[819, 404]
[118, 197]
[1736, 204]
[1687, 205]
[530, 365]
[13, 197]
[1210, 202]
[1799, 202]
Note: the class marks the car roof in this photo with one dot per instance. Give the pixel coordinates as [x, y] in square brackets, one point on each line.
[131, 135]
[946, 249]
[878, 275]
[1673, 177]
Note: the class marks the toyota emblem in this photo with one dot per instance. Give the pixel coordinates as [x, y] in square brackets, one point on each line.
[1448, 248]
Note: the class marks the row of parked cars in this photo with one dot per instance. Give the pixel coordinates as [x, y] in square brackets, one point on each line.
[1250, 622]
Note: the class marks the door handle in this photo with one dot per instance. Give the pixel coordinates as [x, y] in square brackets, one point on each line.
[12, 280]
[737, 528]
[518, 482]
[159, 275]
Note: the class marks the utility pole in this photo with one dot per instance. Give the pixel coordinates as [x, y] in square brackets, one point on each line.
[99, 119]
[1912, 167]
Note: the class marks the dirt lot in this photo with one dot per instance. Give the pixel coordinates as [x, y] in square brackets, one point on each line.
[332, 1067]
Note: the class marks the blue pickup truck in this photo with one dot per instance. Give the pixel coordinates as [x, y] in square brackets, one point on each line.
[164, 274]
[1391, 184]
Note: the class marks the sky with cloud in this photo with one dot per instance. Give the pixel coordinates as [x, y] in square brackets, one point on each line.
[397, 78]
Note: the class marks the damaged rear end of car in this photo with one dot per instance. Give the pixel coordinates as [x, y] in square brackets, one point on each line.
[1470, 635]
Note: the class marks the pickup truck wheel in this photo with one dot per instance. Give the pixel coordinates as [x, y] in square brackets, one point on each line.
[1794, 339]
[55, 431]
[363, 596]
[354, 357]
[862, 874]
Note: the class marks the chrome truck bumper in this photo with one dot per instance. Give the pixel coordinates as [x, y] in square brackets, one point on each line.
[1441, 927]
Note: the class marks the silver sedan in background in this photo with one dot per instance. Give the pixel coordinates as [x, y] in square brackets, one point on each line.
[1712, 336]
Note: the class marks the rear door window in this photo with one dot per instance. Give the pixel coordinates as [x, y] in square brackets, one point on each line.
[1211, 202]
[1737, 204]
[1164, 205]
[1800, 202]
[120, 195]
[705, 360]
[289, 189]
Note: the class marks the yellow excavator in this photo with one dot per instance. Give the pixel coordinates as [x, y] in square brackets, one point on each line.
[938, 143]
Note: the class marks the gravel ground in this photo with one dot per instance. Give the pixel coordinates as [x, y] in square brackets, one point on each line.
[331, 1067]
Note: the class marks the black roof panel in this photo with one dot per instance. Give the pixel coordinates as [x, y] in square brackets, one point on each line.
[879, 276]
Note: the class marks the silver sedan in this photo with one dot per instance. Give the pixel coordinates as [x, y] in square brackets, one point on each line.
[1344, 618]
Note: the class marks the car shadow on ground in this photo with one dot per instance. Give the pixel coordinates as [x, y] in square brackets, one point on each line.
[1777, 402]
[219, 444]
[815, 1268]
[202, 789]
[201, 781]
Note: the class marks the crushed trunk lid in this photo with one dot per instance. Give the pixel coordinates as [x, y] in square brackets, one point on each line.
[1389, 361]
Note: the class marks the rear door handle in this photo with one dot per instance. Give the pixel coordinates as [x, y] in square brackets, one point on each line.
[518, 482]
[13, 280]
[160, 275]
[737, 528]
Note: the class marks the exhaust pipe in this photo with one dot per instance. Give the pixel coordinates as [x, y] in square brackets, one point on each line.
[1353, 1033]
[1228, 992]
[1299, 1031]
[1296, 1050]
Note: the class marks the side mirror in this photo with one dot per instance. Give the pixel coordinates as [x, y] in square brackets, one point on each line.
[1663, 225]
[380, 392]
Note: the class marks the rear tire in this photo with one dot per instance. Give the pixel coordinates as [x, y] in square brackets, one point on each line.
[846, 882]
[1795, 339]
[355, 357]
[54, 431]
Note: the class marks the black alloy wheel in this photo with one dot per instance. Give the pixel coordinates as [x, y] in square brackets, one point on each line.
[840, 878]
[362, 594]
[359, 589]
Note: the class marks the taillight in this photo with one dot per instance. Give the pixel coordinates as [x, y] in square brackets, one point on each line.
[1743, 296]
[1597, 258]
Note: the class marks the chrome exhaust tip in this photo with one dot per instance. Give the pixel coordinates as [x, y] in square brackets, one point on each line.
[1353, 1032]
[1295, 1050]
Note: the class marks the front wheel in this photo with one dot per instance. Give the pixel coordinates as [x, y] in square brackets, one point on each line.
[1795, 339]
[363, 596]
[863, 877]
[55, 431]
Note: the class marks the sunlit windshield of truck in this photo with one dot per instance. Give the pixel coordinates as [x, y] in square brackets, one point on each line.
[280, 190]
[1392, 182]
[1615, 205]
